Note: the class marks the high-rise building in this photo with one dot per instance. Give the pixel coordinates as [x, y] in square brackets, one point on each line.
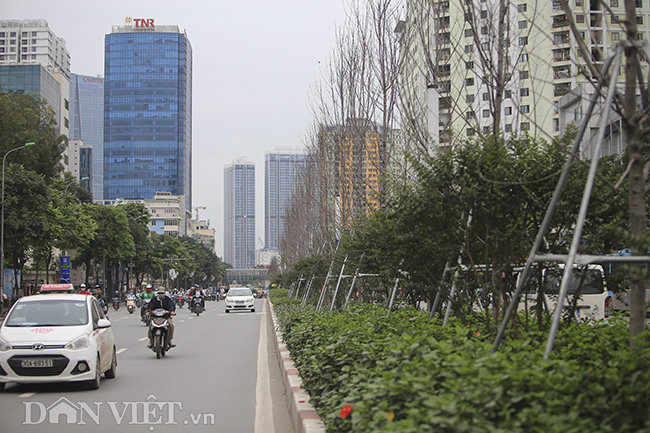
[282, 168]
[452, 53]
[239, 214]
[87, 124]
[34, 60]
[32, 42]
[147, 111]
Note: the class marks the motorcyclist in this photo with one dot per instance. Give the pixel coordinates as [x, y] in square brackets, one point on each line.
[161, 300]
[83, 290]
[146, 295]
[196, 292]
[102, 302]
[101, 297]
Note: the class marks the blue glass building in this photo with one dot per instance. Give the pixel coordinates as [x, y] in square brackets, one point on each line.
[282, 168]
[87, 124]
[147, 112]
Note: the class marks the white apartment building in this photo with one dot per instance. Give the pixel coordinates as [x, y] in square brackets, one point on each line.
[32, 41]
[449, 58]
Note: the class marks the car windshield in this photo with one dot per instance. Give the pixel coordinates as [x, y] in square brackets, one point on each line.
[48, 313]
[590, 281]
[239, 292]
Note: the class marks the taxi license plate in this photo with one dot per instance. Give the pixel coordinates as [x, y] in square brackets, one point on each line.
[36, 363]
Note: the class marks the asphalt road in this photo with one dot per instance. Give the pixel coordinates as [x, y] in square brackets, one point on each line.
[223, 377]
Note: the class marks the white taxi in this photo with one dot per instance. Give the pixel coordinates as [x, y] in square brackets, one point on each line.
[56, 338]
[240, 298]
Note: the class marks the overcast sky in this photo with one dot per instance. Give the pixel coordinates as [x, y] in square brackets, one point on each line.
[254, 64]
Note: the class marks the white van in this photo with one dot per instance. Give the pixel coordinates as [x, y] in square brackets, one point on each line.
[594, 301]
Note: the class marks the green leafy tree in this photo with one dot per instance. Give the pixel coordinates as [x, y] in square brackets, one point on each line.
[27, 211]
[28, 118]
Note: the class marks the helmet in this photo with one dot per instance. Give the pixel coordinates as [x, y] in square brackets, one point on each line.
[160, 293]
[94, 292]
[148, 287]
[83, 286]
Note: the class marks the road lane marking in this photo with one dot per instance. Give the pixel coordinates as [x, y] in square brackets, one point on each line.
[26, 395]
[263, 402]
[143, 338]
[121, 350]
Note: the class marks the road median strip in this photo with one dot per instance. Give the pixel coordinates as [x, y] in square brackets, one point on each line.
[304, 415]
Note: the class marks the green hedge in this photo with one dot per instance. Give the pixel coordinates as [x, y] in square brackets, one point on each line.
[400, 373]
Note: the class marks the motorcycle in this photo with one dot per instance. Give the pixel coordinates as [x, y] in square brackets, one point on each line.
[116, 304]
[146, 318]
[180, 301]
[197, 305]
[130, 304]
[159, 331]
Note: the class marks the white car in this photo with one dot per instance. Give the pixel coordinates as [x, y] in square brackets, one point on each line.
[594, 301]
[240, 298]
[56, 338]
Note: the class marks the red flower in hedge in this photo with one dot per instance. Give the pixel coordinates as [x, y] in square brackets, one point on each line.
[347, 410]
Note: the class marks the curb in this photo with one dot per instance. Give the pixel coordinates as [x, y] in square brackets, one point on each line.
[303, 414]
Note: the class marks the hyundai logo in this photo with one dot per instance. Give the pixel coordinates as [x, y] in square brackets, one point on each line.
[38, 347]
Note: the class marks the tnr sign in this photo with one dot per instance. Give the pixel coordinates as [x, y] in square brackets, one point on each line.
[141, 23]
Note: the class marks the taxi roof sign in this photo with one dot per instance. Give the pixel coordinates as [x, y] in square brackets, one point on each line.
[57, 288]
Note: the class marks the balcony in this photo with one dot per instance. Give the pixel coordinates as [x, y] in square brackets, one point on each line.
[561, 90]
[561, 73]
[560, 21]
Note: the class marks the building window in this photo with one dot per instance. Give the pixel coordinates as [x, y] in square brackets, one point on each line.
[485, 46]
[639, 3]
[508, 127]
[469, 115]
[486, 113]
[507, 94]
[469, 65]
[579, 3]
[34, 34]
[523, 24]
[484, 30]
[580, 19]
[483, 14]
[523, 40]
[469, 49]
[468, 33]
[485, 96]
[486, 130]
[613, 3]
[614, 18]
[639, 20]
[524, 91]
[525, 126]
[523, 75]
[469, 132]
[578, 52]
[469, 81]
[522, 7]
[469, 98]
[524, 109]
[508, 111]
[616, 36]
[523, 58]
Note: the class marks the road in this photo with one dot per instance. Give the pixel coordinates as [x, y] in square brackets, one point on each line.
[223, 377]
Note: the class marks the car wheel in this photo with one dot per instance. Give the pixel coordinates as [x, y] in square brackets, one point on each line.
[227, 311]
[111, 372]
[252, 310]
[94, 384]
[2, 386]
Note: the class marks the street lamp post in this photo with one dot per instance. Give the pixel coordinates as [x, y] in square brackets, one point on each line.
[2, 224]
